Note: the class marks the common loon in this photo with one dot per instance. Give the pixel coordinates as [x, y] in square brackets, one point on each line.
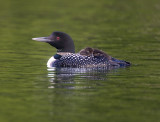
[66, 56]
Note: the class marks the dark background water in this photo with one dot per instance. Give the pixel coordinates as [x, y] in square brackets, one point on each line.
[125, 29]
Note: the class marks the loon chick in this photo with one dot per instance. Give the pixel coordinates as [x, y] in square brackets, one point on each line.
[66, 56]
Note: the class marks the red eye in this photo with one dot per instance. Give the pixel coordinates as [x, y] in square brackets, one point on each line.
[58, 38]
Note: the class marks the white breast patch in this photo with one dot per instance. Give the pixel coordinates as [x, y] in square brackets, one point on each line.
[51, 61]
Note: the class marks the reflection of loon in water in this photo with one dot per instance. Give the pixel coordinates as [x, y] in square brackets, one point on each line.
[73, 78]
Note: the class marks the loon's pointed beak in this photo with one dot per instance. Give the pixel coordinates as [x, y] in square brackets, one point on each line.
[42, 39]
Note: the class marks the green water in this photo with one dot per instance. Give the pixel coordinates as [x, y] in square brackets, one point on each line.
[125, 29]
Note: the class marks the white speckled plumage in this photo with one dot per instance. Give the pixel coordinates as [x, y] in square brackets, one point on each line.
[77, 60]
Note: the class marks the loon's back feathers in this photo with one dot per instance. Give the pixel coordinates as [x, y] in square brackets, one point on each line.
[78, 60]
[89, 52]
[66, 56]
[88, 57]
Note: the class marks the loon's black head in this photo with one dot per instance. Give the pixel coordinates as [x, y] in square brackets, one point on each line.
[60, 40]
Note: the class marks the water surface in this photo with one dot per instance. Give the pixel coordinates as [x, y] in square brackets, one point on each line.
[127, 30]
